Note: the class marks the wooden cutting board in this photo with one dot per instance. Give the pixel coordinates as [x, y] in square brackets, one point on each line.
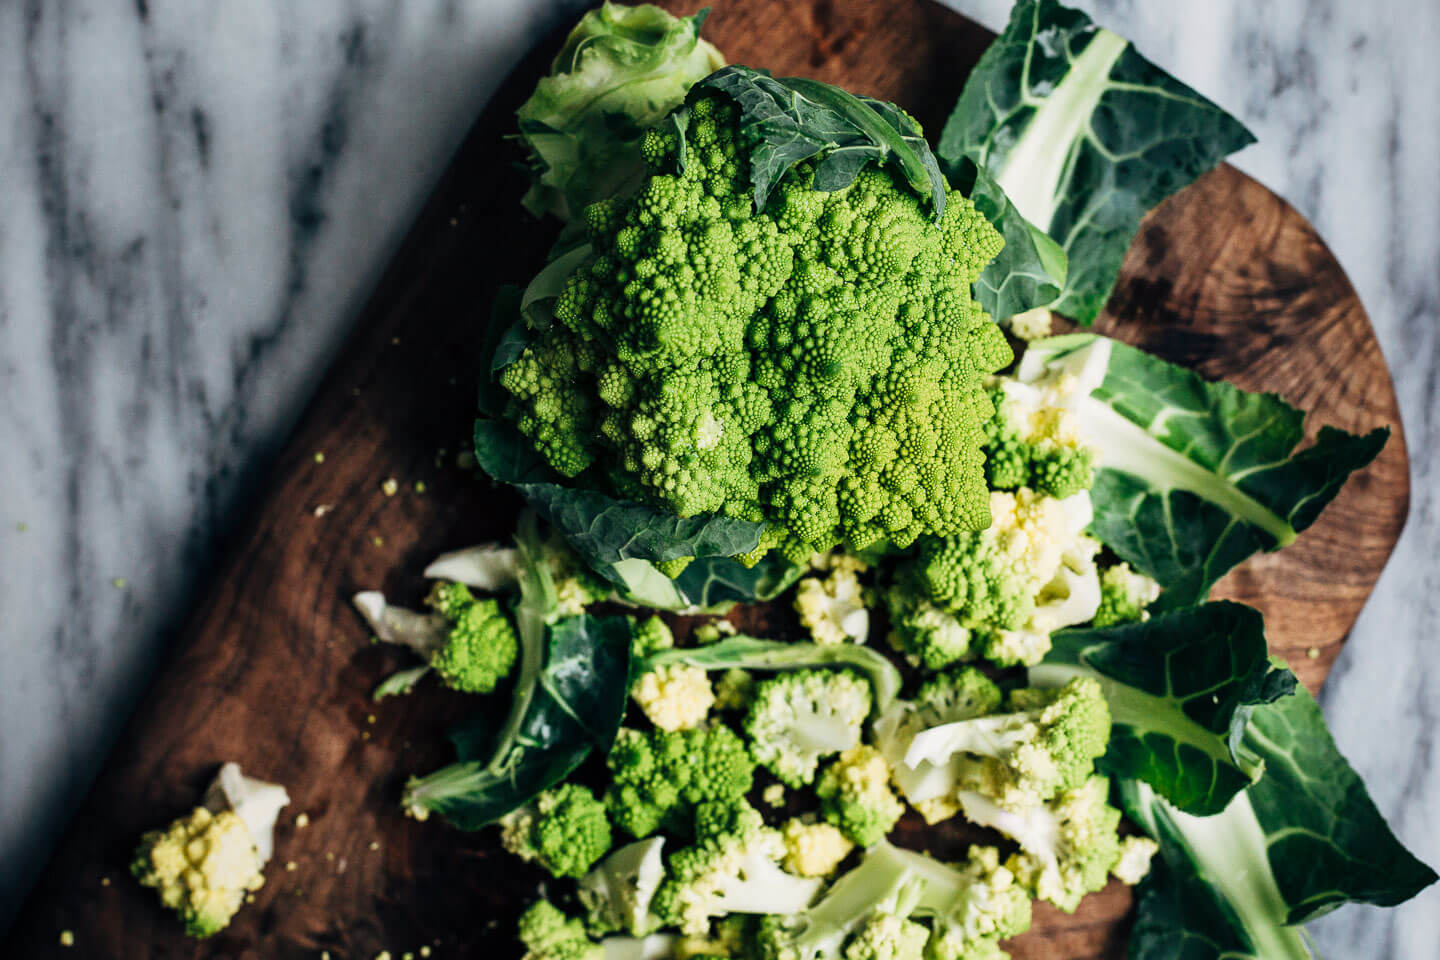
[273, 670]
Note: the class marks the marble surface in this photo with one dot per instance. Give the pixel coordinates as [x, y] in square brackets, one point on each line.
[195, 200]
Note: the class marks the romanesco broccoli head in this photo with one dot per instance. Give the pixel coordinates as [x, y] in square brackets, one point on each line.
[959, 694]
[658, 777]
[564, 830]
[651, 636]
[816, 364]
[203, 865]
[800, 716]
[855, 795]
[550, 935]
[733, 867]
[480, 648]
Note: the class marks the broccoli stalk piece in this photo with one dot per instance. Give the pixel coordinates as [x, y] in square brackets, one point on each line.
[733, 867]
[797, 718]
[1124, 595]
[854, 910]
[468, 642]
[855, 795]
[971, 908]
[1048, 744]
[1068, 844]
[617, 893]
[564, 830]
[206, 863]
[659, 777]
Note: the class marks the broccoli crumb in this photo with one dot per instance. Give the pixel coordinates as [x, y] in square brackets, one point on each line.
[290, 866]
[390, 486]
[370, 718]
[323, 509]
[67, 938]
[420, 486]
[1313, 653]
[319, 456]
[120, 583]
[302, 821]
[22, 526]
[104, 881]
[465, 460]
[774, 795]
[374, 845]
[385, 954]
[378, 540]
[424, 951]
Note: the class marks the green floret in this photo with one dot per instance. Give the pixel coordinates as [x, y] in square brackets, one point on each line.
[1124, 595]
[855, 795]
[564, 830]
[887, 937]
[203, 865]
[659, 777]
[480, 646]
[1048, 743]
[550, 935]
[1068, 845]
[972, 908]
[1004, 589]
[1033, 446]
[853, 911]
[959, 694]
[797, 718]
[815, 364]
[652, 636]
[733, 867]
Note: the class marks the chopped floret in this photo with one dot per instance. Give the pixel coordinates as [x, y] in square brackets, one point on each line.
[652, 636]
[813, 849]
[971, 908]
[660, 777]
[564, 830]
[832, 607]
[617, 893]
[550, 935]
[1068, 845]
[959, 694]
[203, 866]
[1124, 595]
[735, 689]
[469, 642]
[733, 867]
[855, 795]
[799, 717]
[1048, 743]
[1135, 856]
[674, 696]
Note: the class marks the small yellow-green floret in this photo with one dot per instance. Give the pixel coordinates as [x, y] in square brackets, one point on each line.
[813, 849]
[203, 865]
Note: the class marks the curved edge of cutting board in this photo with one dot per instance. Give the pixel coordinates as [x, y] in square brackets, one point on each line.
[273, 669]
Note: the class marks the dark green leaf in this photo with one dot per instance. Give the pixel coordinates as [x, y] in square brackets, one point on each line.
[1196, 475]
[1085, 135]
[714, 582]
[1030, 270]
[794, 119]
[1174, 683]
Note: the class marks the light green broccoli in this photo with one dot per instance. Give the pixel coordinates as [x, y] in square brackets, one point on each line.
[999, 592]
[651, 636]
[815, 364]
[1047, 743]
[469, 642]
[548, 934]
[797, 718]
[1029, 443]
[1124, 595]
[884, 936]
[813, 848]
[971, 908]
[659, 777]
[855, 795]
[674, 696]
[564, 830]
[733, 867]
[1068, 844]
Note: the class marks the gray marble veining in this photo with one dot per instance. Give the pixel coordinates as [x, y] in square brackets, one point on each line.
[195, 200]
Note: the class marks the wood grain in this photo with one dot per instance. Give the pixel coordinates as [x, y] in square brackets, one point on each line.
[273, 669]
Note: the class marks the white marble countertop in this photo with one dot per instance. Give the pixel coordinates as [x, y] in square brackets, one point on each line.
[195, 200]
